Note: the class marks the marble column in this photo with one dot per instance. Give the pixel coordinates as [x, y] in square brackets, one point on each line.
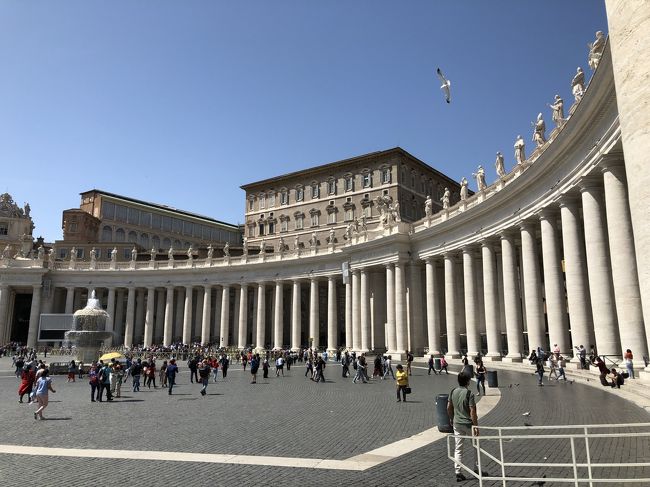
[4, 308]
[512, 304]
[148, 321]
[140, 309]
[295, 317]
[314, 313]
[197, 320]
[391, 337]
[348, 314]
[332, 325]
[261, 316]
[630, 43]
[575, 270]
[118, 322]
[34, 316]
[187, 315]
[225, 316]
[453, 338]
[278, 319]
[623, 259]
[243, 317]
[415, 306]
[69, 300]
[599, 271]
[180, 312]
[400, 308]
[130, 318]
[491, 301]
[365, 310]
[169, 316]
[556, 312]
[356, 310]
[532, 287]
[159, 321]
[471, 302]
[433, 307]
[110, 309]
[207, 315]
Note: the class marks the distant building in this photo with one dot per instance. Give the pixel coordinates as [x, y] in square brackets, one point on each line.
[16, 228]
[105, 221]
[331, 196]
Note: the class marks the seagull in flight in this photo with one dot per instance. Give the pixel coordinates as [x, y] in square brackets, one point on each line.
[445, 85]
[527, 413]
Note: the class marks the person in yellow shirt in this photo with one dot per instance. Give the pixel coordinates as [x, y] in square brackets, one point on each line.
[402, 382]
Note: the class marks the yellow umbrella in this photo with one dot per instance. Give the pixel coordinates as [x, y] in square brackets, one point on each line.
[110, 355]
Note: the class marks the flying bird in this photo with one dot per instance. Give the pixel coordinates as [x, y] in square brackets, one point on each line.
[527, 413]
[445, 85]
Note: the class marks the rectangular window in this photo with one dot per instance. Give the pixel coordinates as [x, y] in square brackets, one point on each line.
[284, 226]
[349, 183]
[156, 221]
[4, 229]
[206, 232]
[72, 228]
[145, 219]
[98, 253]
[120, 213]
[250, 204]
[261, 229]
[271, 228]
[134, 216]
[315, 191]
[385, 175]
[108, 210]
[126, 253]
[63, 253]
[284, 198]
[299, 194]
[367, 180]
[331, 217]
[167, 223]
[299, 223]
[314, 220]
[331, 186]
[177, 225]
[262, 202]
[80, 253]
[349, 215]
[271, 200]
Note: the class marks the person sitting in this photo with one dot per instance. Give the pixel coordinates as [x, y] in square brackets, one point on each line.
[533, 357]
[602, 368]
[616, 379]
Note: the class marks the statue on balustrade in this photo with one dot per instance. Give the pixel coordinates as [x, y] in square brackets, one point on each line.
[596, 49]
[463, 189]
[446, 196]
[211, 250]
[558, 111]
[134, 254]
[281, 246]
[500, 166]
[114, 254]
[363, 224]
[348, 232]
[296, 243]
[51, 256]
[313, 241]
[6, 252]
[262, 247]
[578, 85]
[93, 255]
[428, 206]
[170, 254]
[520, 150]
[245, 247]
[27, 210]
[73, 254]
[331, 237]
[40, 252]
[479, 175]
[539, 131]
[190, 253]
[152, 253]
[395, 212]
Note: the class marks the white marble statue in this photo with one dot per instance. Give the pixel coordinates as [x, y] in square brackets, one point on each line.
[296, 243]
[263, 247]
[479, 175]
[211, 250]
[40, 254]
[395, 212]
[446, 197]
[428, 206]
[152, 253]
[51, 256]
[500, 166]
[578, 85]
[114, 254]
[313, 241]
[27, 210]
[134, 254]
[244, 247]
[281, 245]
[539, 131]
[463, 189]
[332, 236]
[6, 252]
[596, 49]
[520, 150]
[363, 223]
[93, 255]
[170, 254]
[190, 253]
[348, 232]
[558, 111]
[73, 254]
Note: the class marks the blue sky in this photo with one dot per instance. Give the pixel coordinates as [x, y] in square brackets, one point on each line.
[180, 103]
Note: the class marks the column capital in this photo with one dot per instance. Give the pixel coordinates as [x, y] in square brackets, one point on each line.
[569, 200]
[548, 213]
[389, 265]
[469, 249]
[591, 184]
[332, 278]
[488, 243]
[528, 225]
[432, 259]
[612, 161]
[170, 287]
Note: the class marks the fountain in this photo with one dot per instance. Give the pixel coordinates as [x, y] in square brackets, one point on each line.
[89, 330]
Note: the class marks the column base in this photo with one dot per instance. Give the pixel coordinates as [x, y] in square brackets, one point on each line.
[512, 359]
[453, 355]
[492, 358]
[397, 355]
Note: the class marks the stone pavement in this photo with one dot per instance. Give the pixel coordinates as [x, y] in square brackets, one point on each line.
[288, 417]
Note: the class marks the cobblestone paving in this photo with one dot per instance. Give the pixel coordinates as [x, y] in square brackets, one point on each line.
[288, 416]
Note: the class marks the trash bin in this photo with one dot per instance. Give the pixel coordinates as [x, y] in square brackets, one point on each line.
[437, 364]
[441, 414]
[492, 378]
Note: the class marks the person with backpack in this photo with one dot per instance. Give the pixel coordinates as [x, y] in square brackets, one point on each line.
[461, 408]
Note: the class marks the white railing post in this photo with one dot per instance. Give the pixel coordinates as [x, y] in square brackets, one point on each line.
[588, 456]
[573, 461]
[478, 458]
[503, 467]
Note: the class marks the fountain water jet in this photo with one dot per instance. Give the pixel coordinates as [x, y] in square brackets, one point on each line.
[89, 330]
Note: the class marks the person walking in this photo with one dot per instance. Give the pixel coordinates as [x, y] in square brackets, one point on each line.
[481, 371]
[461, 408]
[255, 365]
[136, 371]
[402, 381]
[93, 380]
[629, 363]
[539, 364]
[409, 360]
[118, 372]
[431, 367]
[43, 386]
[225, 363]
[345, 365]
[204, 374]
[104, 376]
[163, 374]
[552, 365]
[388, 368]
[265, 368]
[27, 379]
[279, 366]
[443, 365]
[561, 363]
[171, 371]
[72, 371]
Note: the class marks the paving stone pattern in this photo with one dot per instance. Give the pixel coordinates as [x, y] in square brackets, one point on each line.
[288, 416]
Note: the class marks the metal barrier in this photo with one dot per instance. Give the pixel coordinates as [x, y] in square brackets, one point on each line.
[491, 450]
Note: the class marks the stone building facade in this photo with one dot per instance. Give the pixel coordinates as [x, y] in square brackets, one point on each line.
[16, 227]
[551, 253]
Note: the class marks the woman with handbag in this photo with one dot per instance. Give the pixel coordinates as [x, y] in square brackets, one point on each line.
[401, 377]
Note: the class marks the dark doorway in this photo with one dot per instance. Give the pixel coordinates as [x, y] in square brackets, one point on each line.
[20, 322]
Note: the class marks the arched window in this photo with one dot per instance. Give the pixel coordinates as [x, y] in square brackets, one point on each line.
[107, 234]
[144, 240]
[120, 236]
[133, 237]
[155, 241]
[166, 243]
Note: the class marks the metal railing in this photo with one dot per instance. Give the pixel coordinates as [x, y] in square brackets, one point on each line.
[581, 468]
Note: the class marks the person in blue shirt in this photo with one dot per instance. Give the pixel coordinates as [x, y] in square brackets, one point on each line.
[172, 370]
[43, 386]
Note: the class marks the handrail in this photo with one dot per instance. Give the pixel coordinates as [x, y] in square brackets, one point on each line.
[585, 470]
